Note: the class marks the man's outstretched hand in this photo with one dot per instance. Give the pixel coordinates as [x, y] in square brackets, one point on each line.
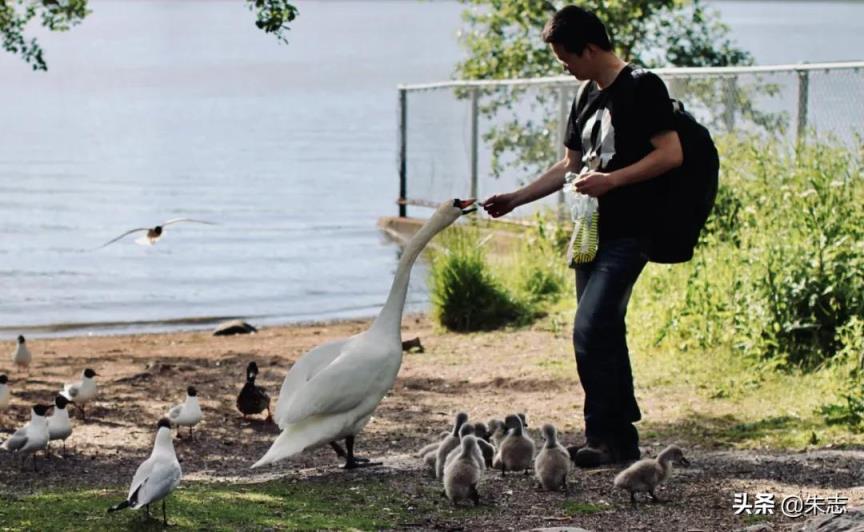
[500, 204]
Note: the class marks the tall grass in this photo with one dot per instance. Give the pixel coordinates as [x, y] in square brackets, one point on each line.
[471, 291]
[466, 294]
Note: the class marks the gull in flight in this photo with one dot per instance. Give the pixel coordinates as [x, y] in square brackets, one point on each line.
[153, 234]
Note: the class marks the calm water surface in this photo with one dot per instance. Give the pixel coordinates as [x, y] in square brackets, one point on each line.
[160, 109]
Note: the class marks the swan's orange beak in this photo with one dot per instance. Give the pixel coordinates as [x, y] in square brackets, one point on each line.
[467, 206]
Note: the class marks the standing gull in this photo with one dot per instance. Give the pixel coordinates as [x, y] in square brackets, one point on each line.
[5, 394]
[59, 427]
[153, 234]
[187, 414]
[81, 392]
[32, 436]
[21, 357]
[157, 476]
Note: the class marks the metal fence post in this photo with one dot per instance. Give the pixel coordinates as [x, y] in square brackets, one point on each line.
[803, 97]
[475, 145]
[563, 114]
[403, 151]
[730, 102]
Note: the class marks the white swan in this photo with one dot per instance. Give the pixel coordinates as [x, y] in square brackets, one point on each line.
[332, 390]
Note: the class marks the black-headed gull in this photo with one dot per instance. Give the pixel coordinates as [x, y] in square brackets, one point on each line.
[157, 476]
[5, 393]
[59, 426]
[187, 414]
[21, 357]
[153, 234]
[81, 392]
[32, 436]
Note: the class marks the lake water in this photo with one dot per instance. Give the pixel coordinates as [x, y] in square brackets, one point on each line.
[158, 109]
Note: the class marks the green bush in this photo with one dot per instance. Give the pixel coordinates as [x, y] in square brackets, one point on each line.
[466, 295]
[778, 273]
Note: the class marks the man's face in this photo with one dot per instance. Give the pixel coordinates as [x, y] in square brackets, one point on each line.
[575, 64]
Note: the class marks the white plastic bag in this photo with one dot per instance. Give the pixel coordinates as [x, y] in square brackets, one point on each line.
[584, 212]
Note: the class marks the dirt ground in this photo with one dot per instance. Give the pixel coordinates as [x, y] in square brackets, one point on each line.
[487, 375]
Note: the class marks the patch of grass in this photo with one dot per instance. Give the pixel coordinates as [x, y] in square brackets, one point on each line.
[311, 505]
[584, 508]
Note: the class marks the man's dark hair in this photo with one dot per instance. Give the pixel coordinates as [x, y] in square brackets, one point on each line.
[574, 28]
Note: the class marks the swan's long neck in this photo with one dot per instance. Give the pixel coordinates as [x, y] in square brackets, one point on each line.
[389, 321]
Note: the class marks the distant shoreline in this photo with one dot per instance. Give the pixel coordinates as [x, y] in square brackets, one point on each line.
[61, 331]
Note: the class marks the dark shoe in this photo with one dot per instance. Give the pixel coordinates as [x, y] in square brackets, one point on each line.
[590, 456]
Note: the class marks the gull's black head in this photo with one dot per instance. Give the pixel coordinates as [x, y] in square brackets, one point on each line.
[41, 409]
[191, 391]
[163, 423]
[61, 402]
[3, 379]
[157, 230]
[89, 373]
[21, 339]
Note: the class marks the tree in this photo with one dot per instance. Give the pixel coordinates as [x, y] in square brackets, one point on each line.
[503, 41]
[272, 16]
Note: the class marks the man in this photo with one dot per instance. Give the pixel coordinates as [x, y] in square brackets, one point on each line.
[620, 135]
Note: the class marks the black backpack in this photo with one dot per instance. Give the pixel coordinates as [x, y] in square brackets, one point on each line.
[689, 195]
[689, 190]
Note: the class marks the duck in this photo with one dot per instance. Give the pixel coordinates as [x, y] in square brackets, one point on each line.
[552, 464]
[81, 392]
[5, 393]
[252, 399]
[331, 392]
[31, 437]
[187, 414]
[59, 427]
[463, 474]
[516, 451]
[21, 357]
[449, 443]
[648, 473]
[156, 477]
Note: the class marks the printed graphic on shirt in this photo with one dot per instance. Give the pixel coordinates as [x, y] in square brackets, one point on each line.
[598, 140]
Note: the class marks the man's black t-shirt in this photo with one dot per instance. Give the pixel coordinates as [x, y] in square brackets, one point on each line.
[617, 130]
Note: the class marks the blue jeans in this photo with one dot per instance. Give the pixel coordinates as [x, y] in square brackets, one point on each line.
[603, 289]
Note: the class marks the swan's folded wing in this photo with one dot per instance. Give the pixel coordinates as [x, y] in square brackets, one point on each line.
[306, 367]
[336, 389]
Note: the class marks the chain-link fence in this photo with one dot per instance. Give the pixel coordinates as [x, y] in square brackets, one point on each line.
[473, 139]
